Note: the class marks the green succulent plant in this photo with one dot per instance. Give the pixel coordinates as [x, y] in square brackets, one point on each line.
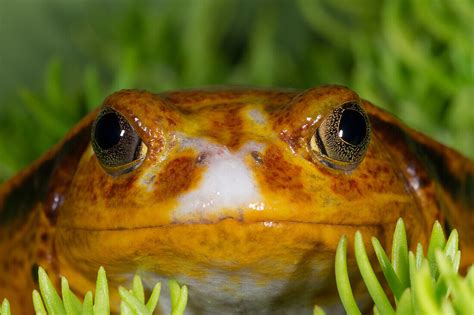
[419, 284]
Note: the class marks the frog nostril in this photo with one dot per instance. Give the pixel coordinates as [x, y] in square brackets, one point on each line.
[201, 158]
[257, 157]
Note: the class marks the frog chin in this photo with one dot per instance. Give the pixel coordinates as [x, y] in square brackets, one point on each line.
[227, 265]
[224, 294]
[242, 292]
[234, 267]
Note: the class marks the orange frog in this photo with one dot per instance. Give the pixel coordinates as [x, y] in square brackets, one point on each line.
[241, 194]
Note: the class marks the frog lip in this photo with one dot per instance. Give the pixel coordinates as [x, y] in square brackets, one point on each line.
[267, 223]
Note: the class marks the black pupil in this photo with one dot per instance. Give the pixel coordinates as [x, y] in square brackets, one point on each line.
[108, 131]
[352, 127]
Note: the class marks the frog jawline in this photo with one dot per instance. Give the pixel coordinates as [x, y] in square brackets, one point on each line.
[267, 223]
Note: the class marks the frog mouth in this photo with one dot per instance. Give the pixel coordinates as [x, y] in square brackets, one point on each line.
[223, 220]
[195, 249]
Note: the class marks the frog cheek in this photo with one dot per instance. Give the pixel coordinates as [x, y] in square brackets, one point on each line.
[118, 147]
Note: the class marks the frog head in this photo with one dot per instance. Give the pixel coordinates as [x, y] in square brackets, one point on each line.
[241, 194]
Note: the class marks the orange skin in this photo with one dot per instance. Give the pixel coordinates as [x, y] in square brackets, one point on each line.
[277, 253]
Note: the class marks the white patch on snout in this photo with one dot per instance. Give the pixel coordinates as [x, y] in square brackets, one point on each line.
[227, 183]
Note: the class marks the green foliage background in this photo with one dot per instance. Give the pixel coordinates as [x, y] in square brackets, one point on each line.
[59, 59]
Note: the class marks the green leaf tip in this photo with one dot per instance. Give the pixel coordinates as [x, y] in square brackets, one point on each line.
[318, 311]
[424, 291]
[462, 295]
[405, 305]
[87, 304]
[174, 292]
[5, 309]
[400, 254]
[51, 299]
[132, 302]
[154, 296]
[437, 240]
[38, 303]
[72, 304]
[394, 282]
[368, 275]
[452, 245]
[342, 279]
[137, 287]
[101, 300]
[178, 297]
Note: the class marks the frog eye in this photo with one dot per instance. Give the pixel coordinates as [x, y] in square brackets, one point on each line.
[116, 144]
[342, 138]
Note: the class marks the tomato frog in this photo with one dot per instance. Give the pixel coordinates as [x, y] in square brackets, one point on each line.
[241, 194]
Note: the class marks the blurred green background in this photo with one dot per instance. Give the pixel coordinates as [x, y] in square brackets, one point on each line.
[59, 59]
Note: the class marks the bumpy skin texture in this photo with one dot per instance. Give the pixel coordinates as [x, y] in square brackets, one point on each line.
[228, 200]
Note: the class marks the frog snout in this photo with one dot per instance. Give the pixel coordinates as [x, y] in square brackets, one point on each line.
[226, 188]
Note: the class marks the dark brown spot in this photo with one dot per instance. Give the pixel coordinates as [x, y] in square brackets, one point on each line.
[280, 175]
[41, 253]
[120, 187]
[348, 188]
[177, 177]
[44, 237]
